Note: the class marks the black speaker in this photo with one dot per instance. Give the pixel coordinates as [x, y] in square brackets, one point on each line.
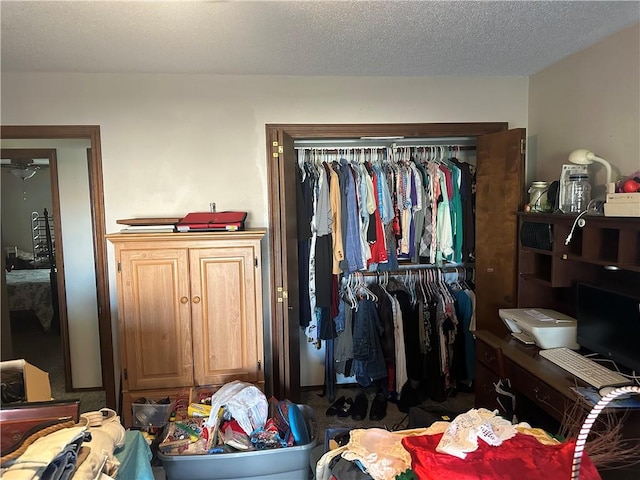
[536, 235]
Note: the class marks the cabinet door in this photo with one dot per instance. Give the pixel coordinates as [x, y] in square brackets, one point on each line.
[155, 318]
[226, 313]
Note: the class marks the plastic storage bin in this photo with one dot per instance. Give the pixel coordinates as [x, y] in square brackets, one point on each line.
[290, 463]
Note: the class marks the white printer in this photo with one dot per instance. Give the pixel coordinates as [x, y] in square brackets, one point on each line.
[542, 326]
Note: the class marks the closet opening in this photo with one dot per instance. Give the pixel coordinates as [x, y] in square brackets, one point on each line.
[394, 206]
[289, 145]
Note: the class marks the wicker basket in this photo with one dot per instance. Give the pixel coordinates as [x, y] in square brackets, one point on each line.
[589, 421]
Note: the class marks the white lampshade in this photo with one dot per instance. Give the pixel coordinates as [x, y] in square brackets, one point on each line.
[582, 156]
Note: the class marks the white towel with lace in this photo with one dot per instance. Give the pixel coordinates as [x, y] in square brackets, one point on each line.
[461, 437]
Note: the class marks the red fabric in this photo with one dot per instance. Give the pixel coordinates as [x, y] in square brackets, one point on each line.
[378, 248]
[521, 457]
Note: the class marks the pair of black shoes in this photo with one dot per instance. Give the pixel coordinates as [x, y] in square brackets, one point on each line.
[341, 407]
[357, 408]
[378, 407]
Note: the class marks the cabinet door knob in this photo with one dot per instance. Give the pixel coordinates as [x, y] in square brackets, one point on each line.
[196, 299]
[184, 299]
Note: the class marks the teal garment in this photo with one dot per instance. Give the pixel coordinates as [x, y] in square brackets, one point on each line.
[443, 227]
[455, 208]
[134, 457]
[464, 312]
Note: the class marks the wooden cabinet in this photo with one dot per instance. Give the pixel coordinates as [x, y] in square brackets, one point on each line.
[189, 310]
[554, 254]
[489, 369]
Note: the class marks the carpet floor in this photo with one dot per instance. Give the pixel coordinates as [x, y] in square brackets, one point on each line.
[44, 350]
[394, 418]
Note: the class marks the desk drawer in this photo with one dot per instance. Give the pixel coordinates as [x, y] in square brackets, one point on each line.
[491, 357]
[545, 397]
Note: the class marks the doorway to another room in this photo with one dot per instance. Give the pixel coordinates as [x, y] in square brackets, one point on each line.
[57, 313]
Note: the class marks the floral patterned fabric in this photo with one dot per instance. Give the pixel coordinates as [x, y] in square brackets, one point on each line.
[31, 290]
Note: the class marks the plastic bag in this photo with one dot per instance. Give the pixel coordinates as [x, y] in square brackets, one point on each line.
[635, 176]
[249, 408]
[12, 386]
[244, 401]
[190, 436]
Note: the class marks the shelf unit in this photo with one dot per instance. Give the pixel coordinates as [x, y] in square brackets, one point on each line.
[604, 250]
[41, 253]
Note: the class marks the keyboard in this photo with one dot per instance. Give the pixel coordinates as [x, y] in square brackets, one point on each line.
[584, 368]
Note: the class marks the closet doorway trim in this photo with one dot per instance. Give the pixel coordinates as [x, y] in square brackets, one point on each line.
[283, 366]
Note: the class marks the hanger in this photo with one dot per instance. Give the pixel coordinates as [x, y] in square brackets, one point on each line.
[432, 287]
[352, 290]
[443, 286]
[421, 282]
[364, 290]
[410, 283]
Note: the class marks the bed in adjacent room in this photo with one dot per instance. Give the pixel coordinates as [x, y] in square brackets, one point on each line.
[30, 289]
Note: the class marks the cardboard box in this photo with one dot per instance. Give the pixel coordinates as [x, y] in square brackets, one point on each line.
[621, 209]
[633, 198]
[36, 382]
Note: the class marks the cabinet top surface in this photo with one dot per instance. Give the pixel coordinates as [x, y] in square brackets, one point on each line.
[250, 233]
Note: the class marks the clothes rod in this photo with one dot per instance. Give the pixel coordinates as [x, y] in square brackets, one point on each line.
[335, 149]
[413, 268]
[385, 143]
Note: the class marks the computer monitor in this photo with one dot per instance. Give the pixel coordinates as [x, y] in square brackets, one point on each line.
[609, 324]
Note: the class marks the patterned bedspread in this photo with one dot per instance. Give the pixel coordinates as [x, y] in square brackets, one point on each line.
[31, 290]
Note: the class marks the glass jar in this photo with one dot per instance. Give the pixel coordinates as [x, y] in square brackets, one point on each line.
[538, 197]
[578, 193]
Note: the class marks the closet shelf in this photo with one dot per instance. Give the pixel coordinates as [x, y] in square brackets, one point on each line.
[539, 251]
[536, 279]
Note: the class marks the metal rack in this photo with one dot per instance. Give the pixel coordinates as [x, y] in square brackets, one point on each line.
[43, 238]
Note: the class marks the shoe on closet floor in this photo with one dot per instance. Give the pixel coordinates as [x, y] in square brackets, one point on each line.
[346, 408]
[335, 407]
[378, 407]
[360, 407]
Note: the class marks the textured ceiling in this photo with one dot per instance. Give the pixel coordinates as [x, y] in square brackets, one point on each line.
[342, 38]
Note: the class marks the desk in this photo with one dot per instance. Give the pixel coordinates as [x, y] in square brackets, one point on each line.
[543, 390]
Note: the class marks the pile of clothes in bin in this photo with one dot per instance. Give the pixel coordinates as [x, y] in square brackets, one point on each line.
[237, 417]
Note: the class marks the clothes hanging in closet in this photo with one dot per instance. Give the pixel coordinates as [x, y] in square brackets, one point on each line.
[366, 212]
[423, 327]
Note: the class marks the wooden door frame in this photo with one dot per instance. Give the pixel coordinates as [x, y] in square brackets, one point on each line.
[92, 133]
[283, 346]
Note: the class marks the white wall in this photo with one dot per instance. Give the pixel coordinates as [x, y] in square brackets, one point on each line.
[588, 100]
[172, 144]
